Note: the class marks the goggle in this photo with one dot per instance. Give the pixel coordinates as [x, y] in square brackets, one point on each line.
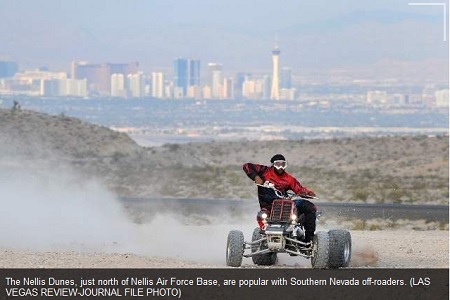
[280, 164]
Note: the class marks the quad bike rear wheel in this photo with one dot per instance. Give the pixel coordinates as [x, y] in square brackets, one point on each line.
[340, 248]
[266, 259]
[235, 248]
[320, 257]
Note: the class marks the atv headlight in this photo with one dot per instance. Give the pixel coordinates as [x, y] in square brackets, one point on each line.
[294, 218]
[264, 216]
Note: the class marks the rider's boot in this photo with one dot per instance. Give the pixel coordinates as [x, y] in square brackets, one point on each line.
[298, 233]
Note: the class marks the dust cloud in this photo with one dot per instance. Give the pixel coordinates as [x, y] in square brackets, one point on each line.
[53, 208]
[364, 256]
[169, 234]
[49, 207]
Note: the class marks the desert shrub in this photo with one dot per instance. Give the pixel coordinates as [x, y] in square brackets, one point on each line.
[16, 106]
[117, 155]
[443, 225]
[172, 147]
[371, 225]
[360, 194]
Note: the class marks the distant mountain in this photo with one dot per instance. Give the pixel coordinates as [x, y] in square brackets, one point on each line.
[356, 38]
[385, 17]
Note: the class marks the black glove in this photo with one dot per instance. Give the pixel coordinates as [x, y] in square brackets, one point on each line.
[308, 194]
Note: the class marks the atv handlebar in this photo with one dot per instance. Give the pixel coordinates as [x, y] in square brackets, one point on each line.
[289, 195]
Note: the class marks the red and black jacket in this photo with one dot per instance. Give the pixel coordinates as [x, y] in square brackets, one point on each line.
[283, 182]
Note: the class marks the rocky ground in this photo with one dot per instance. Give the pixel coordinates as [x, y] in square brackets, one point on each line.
[53, 168]
[374, 249]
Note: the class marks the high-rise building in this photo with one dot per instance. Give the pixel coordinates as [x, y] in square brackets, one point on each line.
[50, 87]
[275, 91]
[136, 85]
[194, 72]
[63, 87]
[187, 73]
[267, 86]
[241, 77]
[442, 98]
[206, 92]
[228, 88]
[249, 89]
[44, 83]
[180, 81]
[288, 94]
[8, 69]
[215, 80]
[118, 85]
[76, 87]
[158, 85]
[194, 92]
[98, 76]
[285, 78]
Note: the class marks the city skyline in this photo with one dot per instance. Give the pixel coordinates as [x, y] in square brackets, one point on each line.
[233, 33]
[126, 80]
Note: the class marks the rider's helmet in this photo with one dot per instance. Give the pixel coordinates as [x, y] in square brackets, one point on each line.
[279, 162]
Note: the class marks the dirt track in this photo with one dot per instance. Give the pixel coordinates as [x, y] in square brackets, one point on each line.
[371, 249]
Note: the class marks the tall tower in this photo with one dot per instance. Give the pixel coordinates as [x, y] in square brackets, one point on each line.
[194, 72]
[136, 84]
[215, 80]
[117, 85]
[181, 77]
[187, 74]
[275, 91]
[157, 85]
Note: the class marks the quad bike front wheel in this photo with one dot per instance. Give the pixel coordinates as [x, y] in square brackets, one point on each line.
[265, 259]
[235, 248]
[340, 248]
[321, 250]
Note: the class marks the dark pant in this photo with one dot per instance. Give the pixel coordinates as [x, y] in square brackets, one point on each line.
[265, 205]
[309, 210]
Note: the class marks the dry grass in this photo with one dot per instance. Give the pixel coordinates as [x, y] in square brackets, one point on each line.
[400, 169]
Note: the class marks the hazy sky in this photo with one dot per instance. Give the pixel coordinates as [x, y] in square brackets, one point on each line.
[237, 33]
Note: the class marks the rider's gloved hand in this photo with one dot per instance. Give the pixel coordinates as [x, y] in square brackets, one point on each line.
[311, 194]
[269, 184]
[258, 180]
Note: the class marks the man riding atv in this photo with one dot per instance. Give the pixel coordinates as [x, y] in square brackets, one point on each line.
[276, 176]
[286, 224]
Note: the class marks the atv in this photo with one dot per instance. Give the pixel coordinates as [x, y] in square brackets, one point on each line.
[281, 230]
